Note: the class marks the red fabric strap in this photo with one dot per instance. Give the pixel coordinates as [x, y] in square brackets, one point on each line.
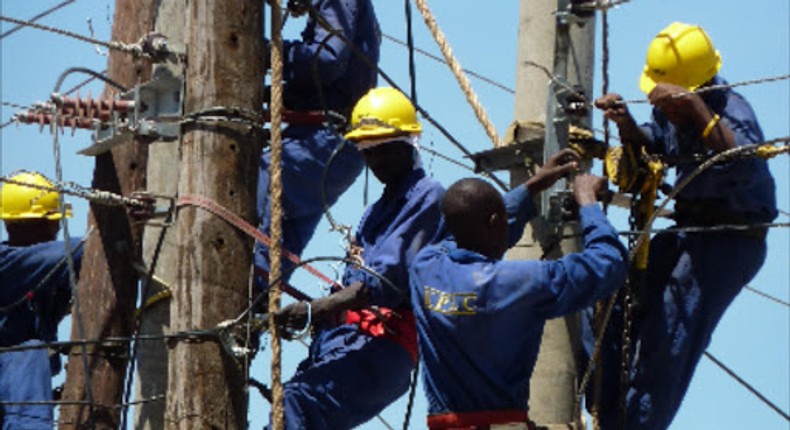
[236, 221]
[476, 420]
[401, 327]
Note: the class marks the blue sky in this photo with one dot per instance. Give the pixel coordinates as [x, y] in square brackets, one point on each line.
[754, 40]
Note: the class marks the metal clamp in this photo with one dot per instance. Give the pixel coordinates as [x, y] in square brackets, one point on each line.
[157, 109]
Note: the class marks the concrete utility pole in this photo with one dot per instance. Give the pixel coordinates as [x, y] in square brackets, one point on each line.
[159, 243]
[219, 161]
[107, 289]
[554, 380]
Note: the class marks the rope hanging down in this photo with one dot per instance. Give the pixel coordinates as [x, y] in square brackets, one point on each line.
[275, 199]
[458, 71]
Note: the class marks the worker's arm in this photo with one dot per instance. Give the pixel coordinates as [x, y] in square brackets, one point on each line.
[354, 296]
[686, 109]
[560, 287]
[321, 54]
[615, 110]
[519, 201]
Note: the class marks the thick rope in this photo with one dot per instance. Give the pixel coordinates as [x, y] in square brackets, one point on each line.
[458, 71]
[275, 199]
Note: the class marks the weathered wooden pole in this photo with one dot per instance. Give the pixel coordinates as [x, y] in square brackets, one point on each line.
[107, 289]
[219, 161]
[160, 251]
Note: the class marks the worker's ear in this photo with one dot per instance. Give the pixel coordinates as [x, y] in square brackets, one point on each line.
[493, 220]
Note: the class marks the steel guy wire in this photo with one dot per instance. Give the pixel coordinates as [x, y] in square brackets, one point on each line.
[84, 402]
[106, 198]
[37, 17]
[748, 386]
[710, 88]
[438, 59]
[767, 296]
[133, 48]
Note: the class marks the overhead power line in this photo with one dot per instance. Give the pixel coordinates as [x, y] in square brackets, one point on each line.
[37, 17]
[441, 60]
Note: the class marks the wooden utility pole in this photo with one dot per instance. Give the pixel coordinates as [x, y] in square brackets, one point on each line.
[554, 380]
[219, 161]
[160, 250]
[107, 289]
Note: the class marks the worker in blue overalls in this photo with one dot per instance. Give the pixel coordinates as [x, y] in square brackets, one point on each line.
[691, 277]
[480, 319]
[35, 295]
[322, 76]
[361, 362]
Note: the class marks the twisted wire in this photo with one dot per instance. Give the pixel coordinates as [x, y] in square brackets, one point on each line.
[133, 48]
[37, 17]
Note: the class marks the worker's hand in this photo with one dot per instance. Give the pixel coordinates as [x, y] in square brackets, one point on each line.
[614, 109]
[293, 316]
[587, 187]
[556, 167]
[297, 8]
[678, 103]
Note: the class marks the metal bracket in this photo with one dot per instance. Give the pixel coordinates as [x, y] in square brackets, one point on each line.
[158, 108]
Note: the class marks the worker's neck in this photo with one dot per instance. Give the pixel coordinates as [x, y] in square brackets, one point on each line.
[28, 233]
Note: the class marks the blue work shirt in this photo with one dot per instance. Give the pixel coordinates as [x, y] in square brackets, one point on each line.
[323, 59]
[342, 78]
[352, 374]
[744, 186]
[405, 219]
[35, 295]
[480, 320]
[30, 309]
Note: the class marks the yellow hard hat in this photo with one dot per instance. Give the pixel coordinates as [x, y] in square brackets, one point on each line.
[383, 113]
[681, 54]
[20, 202]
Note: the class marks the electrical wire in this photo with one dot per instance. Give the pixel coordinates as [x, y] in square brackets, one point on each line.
[37, 17]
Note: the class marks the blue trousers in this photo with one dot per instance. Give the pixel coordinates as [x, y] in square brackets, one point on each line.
[306, 152]
[348, 379]
[25, 376]
[691, 280]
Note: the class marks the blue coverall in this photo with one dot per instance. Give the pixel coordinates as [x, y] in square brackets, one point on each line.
[351, 374]
[341, 78]
[30, 310]
[480, 320]
[691, 277]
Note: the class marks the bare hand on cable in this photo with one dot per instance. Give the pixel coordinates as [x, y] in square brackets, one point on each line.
[613, 108]
[678, 103]
[587, 188]
[557, 166]
[292, 316]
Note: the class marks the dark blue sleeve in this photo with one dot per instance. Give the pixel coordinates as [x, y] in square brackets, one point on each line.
[423, 225]
[559, 287]
[520, 209]
[320, 48]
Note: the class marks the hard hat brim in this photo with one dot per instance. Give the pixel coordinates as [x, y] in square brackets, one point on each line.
[646, 83]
